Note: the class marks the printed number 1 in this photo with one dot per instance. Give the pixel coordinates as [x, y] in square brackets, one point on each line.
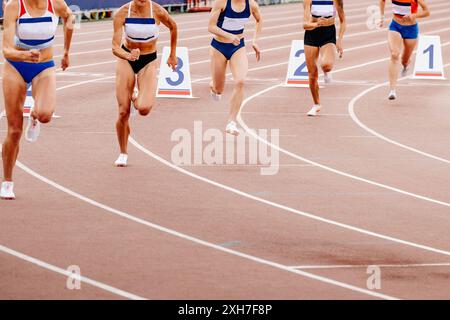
[179, 73]
[300, 72]
[430, 50]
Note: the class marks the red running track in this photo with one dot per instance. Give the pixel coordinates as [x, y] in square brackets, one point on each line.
[366, 183]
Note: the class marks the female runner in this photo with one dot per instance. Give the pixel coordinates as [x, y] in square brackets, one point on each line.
[29, 31]
[403, 32]
[140, 21]
[320, 38]
[226, 23]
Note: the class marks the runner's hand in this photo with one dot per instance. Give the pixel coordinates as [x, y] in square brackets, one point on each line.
[33, 55]
[409, 18]
[134, 55]
[339, 48]
[321, 22]
[65, 62]
[236, 40]
[257, 51]
[172, 62]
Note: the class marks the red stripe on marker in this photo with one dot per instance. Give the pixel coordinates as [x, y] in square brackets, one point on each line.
[298, 82]
[429, 74]
[178, 93]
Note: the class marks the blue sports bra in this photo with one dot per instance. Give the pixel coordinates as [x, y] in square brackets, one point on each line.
[232, 21]
[141, 29]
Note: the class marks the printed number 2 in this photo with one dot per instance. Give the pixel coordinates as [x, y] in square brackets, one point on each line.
[300, 72]
[179, 73]
[430, 50]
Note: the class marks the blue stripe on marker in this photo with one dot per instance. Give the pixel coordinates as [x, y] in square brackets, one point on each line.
[35, 20]
[140, 20]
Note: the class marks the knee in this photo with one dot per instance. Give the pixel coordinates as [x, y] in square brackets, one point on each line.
[313, 75]
[327, 67]
[395, 56]
[124, 113]
[15, 133]
[239, 83]
[144, 109]
[44, 117]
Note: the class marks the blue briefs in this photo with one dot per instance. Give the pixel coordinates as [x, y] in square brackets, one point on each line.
[227, 49]
[29, 70]
[407, 32]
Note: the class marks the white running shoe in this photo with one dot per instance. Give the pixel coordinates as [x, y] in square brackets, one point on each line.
[232, 128]
[33, 129]
[392, 95]
[327, 78]
[405, 71]
[214, 96]
[121, 160]
[314, 110]
[133, 110]
[7, 191]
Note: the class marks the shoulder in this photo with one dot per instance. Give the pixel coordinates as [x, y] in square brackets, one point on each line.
[220, 4]
[158, 9]
[11, 8]
[122, 12]
[254, 4]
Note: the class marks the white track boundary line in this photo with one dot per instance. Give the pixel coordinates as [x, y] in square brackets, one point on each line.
[351, 111]
[353, 266]
[199, 241]
[68, 274]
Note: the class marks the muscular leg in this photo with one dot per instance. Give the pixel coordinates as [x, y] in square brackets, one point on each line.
[312, 55]
[44, 94]
[14, 93]
[408, 47]
[125, 80]
[395, 46]
[147, 84]
[328, 56]
[218, 70]
[239, 69]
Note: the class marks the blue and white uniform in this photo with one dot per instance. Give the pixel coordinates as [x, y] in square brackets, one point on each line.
[34, 33]
[232, 22]
[322, 9]
[321, 36]
[141, 30]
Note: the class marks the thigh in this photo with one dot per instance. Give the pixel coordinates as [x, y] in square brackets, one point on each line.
[239, 64]
[409, 46]
[311, 56]
[44, 91]
[395, 42]
[14, 94]
[147, 82]
[125, 80]
[218, 66]
[328, 53]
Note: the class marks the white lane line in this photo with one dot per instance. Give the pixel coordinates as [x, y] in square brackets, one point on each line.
[283, 207]
[199, 241]
[68, 274]
[342, 173]
[353, 266]
[351, 111]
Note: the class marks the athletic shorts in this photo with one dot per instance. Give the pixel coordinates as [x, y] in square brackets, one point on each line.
[320, 36]
[407, 32]
[142, 62]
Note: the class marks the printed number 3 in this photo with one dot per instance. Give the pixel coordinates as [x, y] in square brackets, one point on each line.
[179, 73]
[430, 50]
[301, 72]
